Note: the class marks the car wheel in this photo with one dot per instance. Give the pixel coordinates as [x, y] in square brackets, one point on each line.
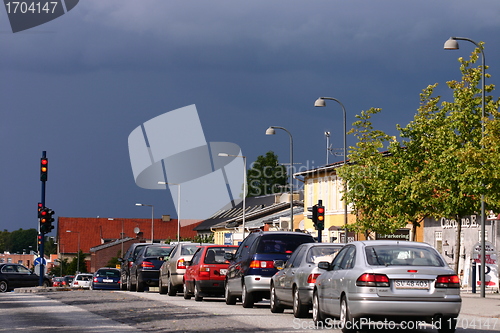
[139, 284]
[197, 295]
[299, 310]
[130, 286]
[161, 288]
[448, 325]
[317, 315]
[187, 295]
[4, 287]
[246, 297]
[230, 299]
[347, 323]
[171, 289]
[275, 307]
[46, 284]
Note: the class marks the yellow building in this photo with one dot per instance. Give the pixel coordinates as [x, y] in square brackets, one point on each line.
[323, 184]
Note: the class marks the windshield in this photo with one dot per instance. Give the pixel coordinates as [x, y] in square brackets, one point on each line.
[284, 244]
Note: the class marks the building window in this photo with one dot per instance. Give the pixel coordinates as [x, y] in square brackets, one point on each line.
[438, 239]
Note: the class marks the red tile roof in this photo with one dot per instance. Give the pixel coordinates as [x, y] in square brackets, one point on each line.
[93, 231]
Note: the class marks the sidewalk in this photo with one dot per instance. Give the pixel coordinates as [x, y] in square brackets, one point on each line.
[476, 306]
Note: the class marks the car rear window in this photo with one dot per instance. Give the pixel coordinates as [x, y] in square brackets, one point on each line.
[188, 250]
[108, 273]
[158, 251]
[402, 255]
[284, 244]
[215, 255]
[322, 253]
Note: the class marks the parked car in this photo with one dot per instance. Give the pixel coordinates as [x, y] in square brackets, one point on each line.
[252, 266]
[293, 285]
[82, 281]
[173, 268]
[146, 268]
[68, 279]
[127, 262]
[206, 272]
[106, 278]
[17, 276]
[388, 280]
[57, 281]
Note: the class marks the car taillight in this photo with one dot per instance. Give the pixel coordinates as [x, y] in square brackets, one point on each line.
[95, 280]
[147, 264]
[204, 271]
[312, 277]
[181, 264]
[372, 280]
[447, 281]
[261, 264]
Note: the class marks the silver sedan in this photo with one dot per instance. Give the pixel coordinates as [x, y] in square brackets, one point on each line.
[292, 287]
[388, 282]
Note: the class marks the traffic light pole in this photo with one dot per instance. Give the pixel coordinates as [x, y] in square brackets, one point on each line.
[41, 247]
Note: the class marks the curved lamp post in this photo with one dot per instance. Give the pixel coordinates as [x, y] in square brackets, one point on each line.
[152, 219]
[320, 102]
[178, 209]
[271, 131]
[244, 187]
[452, 44]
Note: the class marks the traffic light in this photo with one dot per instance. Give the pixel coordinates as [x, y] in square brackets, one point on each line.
[314, 215]
[320, 217]
[46, 220]
[44, 169]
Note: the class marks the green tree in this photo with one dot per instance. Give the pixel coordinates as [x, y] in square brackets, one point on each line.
[21, 240]
[113, 262]
[77, 264]
[266, 176]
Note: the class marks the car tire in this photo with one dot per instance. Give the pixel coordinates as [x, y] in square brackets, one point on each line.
[197, 294]
[46, 284]
[161, 288]
[187, 295]
[275, 307]
[246, 297]
[4, 286]
[299, 310]
[139, 285]
[230, 299]
[448, 325]
[317, 315]
[130, 286]
[347, 323]
[171, 289]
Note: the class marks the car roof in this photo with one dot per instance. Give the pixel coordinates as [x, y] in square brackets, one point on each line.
[389, 242]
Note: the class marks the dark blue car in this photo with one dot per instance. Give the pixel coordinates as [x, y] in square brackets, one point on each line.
[106, 278]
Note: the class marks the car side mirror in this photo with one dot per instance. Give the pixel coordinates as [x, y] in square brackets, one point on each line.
[324, 265]
[279, 264]
[228, 256]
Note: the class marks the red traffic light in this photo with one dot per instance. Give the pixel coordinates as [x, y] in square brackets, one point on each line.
[321, 213]
[44, 169]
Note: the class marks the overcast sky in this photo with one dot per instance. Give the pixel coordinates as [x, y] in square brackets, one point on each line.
[77, 86]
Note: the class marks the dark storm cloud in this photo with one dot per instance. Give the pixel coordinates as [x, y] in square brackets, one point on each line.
[93, 75]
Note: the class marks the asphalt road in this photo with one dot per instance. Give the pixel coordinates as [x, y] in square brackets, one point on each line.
[105, 311]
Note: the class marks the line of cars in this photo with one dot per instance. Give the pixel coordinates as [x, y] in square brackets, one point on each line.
[360, 282]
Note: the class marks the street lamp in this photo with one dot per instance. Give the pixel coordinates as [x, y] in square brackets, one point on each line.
[244, 186]
[452, 44]
[320, 102]
[271, 131]
[152, 219]
[178, 209]
[78, 253]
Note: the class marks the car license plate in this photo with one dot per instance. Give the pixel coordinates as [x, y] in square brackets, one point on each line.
[107, 280]
[411, 284]
[223, 271]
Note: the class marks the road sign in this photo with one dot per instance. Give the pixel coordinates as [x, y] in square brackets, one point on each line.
[40, 261]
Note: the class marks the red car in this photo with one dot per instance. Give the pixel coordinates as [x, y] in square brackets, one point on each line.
[206, 272]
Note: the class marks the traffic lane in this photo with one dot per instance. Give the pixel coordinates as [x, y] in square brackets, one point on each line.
[36, 313]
